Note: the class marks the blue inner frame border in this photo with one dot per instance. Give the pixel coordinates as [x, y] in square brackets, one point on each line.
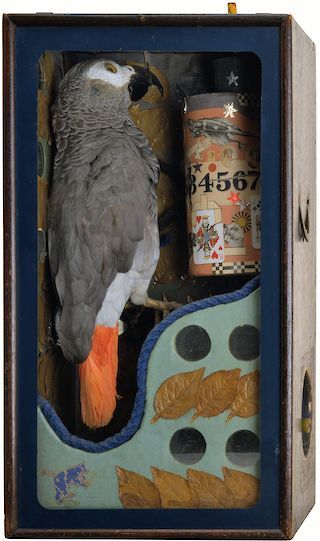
[30, 44]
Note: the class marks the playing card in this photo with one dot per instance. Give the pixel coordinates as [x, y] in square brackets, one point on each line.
[207, 238]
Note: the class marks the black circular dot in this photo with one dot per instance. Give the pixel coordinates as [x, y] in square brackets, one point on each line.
[193, 343]
[243, 448]
[244, 342]
[188, 445]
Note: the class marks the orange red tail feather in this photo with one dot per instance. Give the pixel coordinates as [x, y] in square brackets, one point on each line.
[98, 378]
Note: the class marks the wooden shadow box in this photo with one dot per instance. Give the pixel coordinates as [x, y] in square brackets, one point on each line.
[221, 466]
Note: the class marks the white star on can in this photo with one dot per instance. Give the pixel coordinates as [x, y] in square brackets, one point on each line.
[232, 79]
[229, 110]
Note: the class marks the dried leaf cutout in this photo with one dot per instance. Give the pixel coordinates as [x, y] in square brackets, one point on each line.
[177, 395]
[211, 492]
[244, 487]
[216, 393]
[136, 491]
[246, 402]
[174, 490]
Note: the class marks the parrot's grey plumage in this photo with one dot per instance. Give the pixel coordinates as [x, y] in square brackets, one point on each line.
[102, 214]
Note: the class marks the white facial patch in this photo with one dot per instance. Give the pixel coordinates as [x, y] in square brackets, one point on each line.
[119, 77]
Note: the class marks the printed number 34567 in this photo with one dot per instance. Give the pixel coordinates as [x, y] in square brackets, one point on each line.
[240, 181]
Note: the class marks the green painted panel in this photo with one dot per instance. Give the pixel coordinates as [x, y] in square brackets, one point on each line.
[97, 485]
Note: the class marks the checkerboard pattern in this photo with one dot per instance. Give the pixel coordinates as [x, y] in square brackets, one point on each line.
[246, 100]
[241, 267]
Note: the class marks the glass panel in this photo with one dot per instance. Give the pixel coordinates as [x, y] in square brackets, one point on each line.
[149, 356]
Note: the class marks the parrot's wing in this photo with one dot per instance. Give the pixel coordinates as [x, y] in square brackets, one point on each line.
[97, 215]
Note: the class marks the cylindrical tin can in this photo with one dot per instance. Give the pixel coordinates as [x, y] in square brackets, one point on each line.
[221, 149]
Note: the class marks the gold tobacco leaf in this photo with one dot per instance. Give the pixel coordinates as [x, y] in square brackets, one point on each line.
[177, 395]
[216, 393]
[174, 490]
[136, 491]
[211, 492]
[244, 487]
[246, 401]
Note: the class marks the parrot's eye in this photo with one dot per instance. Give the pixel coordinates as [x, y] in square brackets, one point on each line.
[110, 67]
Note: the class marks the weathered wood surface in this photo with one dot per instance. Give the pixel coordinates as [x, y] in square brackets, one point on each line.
[298, 271]
[304, 265]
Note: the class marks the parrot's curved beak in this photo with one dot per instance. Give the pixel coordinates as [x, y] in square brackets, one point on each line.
[140, 82]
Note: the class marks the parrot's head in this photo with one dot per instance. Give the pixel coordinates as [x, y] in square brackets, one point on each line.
[103, 86]
[136, 80]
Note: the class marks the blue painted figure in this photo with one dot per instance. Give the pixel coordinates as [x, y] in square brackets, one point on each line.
[75, 476]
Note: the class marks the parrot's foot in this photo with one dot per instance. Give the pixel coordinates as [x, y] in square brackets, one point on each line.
[162, 306]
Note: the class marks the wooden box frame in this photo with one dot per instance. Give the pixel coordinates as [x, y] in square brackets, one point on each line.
[297, 269]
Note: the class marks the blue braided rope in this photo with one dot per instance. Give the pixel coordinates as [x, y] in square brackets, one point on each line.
[138, 409]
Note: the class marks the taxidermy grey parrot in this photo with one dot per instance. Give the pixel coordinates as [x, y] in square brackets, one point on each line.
[103, 238]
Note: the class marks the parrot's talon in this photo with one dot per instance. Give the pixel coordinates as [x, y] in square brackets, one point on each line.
[162, 306]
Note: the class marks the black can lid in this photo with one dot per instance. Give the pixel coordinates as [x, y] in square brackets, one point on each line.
[236, 72]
